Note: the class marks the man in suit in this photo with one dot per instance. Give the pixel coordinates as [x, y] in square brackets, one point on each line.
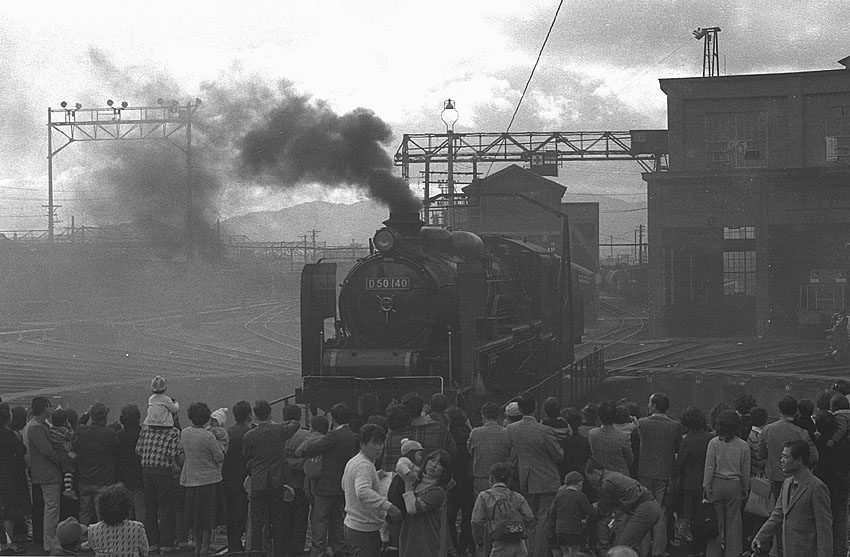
[536, 452]
[609, 446]
[657, 438]
[487, 445]
[264, 448]
[772, 443]
[45, 470]
[337, 447]
[802, 508]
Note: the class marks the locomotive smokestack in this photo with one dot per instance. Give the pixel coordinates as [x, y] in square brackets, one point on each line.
[406, 223]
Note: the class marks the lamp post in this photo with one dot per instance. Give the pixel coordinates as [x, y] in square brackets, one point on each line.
[449, 116]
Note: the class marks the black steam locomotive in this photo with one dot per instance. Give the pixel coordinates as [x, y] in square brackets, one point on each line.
[477, 317]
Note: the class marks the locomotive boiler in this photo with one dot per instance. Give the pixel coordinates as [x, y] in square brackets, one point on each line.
[476, 317]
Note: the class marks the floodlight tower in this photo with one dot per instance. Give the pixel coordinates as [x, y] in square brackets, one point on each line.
[711, 55]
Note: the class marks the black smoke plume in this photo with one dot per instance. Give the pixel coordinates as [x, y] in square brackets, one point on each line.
[302, 142]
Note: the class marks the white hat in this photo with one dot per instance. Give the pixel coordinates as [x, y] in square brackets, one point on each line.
[220, 416]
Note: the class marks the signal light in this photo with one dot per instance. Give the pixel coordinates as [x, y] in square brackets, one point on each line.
[63, 104]
[123, 104]
[109, 102]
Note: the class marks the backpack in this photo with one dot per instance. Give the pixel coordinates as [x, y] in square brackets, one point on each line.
[313, 466]
[506, 522]
[704, 526]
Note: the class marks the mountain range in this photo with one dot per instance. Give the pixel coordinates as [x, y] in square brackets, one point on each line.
[340, 224]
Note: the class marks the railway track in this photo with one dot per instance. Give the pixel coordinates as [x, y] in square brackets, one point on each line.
[38, 363]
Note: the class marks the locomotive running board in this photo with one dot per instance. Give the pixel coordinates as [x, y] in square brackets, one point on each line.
[324, 391]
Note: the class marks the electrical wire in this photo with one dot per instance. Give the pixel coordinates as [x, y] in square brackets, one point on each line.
[530, 75]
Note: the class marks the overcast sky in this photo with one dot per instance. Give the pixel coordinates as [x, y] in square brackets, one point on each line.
[399, 59]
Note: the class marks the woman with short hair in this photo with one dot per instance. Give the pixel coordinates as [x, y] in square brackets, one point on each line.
[201, 473]
[116, 535]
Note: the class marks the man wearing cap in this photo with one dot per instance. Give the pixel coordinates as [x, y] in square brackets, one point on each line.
[487, 444]
[97, 447]
[45, 469]
[69, 535]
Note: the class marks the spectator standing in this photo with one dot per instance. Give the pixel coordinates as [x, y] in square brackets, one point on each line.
[834, 471]
[14, 499]
[553, 419]
[45, 471]
[576, 446]
[297, 511]
[569, 512]
[589, 418]
[157, 448]
[608, 446]
[535, 449]
[630, 498]
[116, 535]
[487, 444]
[128, 469]
[201, 473]
[437, 405]
[97, 449]
[726, 481]
[423, 531]
[774, 437]
[233, 474]
[658, 437]
[62, 438]
[462, 494]
[431, 434]
[484, 519]
[802, 508]
[264, 448]
[336, 448]
[365, 507]
[690, 464]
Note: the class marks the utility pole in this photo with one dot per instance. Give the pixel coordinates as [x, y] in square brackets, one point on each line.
[314, 233]
[640, 245]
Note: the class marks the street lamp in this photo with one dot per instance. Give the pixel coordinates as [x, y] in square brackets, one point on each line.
[449, 115]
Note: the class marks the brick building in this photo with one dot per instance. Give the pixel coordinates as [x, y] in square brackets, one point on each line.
[752, 220]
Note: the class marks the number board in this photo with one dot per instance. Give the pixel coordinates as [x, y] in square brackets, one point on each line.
[388, 283]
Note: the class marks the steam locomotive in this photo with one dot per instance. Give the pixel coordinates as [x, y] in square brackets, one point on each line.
[476, 317]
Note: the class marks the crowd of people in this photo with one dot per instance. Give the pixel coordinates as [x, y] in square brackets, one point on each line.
[417, 480]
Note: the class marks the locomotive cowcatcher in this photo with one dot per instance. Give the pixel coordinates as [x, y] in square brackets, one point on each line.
[476, 317]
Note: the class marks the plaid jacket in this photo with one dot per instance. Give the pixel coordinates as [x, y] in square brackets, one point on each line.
[158, 446]
[432, 435]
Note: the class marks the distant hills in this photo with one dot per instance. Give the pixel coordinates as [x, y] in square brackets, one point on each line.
[340, 224]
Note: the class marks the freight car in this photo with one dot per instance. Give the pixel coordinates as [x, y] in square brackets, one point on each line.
[477, 317]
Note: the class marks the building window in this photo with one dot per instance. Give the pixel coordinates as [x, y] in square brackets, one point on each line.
[739, 232]
[736, 139]
[838, 134]
[739, 273]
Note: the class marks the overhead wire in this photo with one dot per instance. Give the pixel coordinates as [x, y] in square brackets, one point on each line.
[531, 74]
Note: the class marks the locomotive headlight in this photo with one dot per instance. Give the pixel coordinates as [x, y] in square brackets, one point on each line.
[385, 240]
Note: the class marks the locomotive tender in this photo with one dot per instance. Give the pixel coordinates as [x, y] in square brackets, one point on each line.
[477, 317]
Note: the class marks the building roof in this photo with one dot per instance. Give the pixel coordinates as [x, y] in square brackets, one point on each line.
[515, 174]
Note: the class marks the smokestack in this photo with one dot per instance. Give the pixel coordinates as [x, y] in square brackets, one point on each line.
[406, 223]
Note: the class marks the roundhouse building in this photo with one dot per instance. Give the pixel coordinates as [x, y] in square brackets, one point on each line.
[750, 226]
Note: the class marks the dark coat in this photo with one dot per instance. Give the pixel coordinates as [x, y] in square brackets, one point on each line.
[265, 452]
[337, 448]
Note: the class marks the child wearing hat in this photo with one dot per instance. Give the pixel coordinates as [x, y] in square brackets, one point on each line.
[160, 405]
[218, 420]
[570, 512]
[69, 536]
[409, 464]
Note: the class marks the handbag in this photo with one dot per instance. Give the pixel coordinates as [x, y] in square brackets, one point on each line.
[760, 502]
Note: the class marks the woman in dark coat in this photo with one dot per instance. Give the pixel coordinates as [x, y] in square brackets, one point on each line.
[14, 495]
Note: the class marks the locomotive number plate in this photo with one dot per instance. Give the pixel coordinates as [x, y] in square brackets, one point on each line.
[388, 283]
